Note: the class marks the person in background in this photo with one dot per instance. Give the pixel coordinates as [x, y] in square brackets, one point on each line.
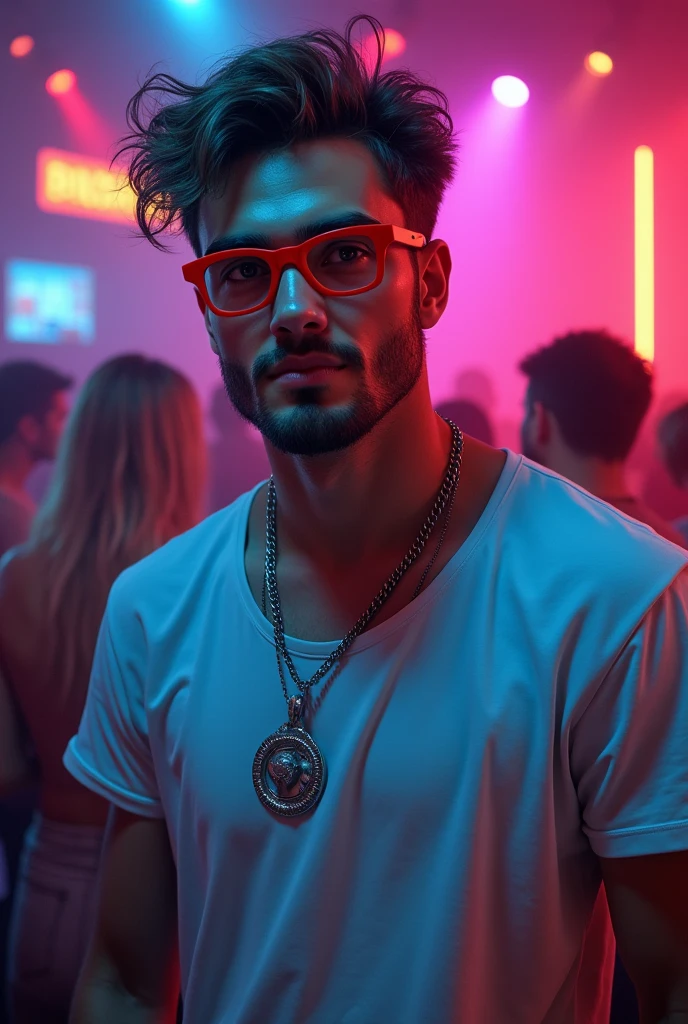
[33, 410]
[588, 394]
[672, 434]
[130, 476]
[470, 416]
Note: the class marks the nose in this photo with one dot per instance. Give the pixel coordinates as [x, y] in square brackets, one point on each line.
[298, 309]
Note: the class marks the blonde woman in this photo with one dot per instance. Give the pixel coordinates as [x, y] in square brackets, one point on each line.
[130, 475]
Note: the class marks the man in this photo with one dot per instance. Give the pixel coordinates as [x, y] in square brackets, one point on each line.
[426, 841]
[672, 434]
[33, 410]
[588, 394]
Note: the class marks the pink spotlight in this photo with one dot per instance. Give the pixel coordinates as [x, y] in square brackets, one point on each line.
[510, 91]
[60, 82]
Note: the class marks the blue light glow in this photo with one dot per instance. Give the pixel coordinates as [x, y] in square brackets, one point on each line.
[49, 303]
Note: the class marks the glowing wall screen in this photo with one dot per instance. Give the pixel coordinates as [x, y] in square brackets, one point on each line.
[49, 303]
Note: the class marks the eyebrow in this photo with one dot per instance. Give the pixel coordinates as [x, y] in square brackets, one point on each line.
[318, 227]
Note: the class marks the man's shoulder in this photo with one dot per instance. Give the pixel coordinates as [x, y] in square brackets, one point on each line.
[580, 536]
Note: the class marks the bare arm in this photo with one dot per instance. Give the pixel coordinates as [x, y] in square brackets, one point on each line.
[131, 975]
[648, 901]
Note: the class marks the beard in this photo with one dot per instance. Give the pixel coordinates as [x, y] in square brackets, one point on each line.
[310, 428]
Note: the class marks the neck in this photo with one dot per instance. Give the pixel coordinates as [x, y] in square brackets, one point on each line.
[344, 507]
[15, 465]
[603, 479]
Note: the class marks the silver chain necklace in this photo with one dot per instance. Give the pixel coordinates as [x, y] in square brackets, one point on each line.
[289, 771]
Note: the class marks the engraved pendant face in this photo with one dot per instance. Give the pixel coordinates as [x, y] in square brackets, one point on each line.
[289, 772]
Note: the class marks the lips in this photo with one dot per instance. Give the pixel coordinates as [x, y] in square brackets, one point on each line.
[303, 366]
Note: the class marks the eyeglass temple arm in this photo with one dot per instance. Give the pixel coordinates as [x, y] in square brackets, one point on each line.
[406, 237]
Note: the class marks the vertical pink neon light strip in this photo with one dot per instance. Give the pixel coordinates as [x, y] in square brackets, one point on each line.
[644, 253]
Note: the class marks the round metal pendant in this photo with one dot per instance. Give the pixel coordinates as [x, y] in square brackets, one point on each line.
[289, 772]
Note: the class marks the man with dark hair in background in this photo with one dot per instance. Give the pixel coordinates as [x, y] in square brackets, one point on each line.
[423, 839]
[588, 394]
[672, 435]
[33, 410]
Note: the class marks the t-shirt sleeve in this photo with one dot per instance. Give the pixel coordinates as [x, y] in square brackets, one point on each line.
[111, 753]
[629, 750]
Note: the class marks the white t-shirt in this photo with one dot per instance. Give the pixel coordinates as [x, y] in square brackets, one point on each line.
[525, 715]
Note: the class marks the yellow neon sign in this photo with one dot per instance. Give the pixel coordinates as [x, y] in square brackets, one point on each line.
[81, 186]
[644, 253]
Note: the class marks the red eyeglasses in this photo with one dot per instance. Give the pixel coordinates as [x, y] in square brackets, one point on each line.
[343, 262]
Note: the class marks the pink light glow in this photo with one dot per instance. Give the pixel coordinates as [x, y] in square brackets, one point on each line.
[510, 91]
[60, 82]
[395, 45]
[21, 46]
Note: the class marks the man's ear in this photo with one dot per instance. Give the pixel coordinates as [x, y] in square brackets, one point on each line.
[202, 305]
[543, 423]
[434, 262]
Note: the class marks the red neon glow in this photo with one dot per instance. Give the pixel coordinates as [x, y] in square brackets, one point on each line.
[60, 82]
[88, 130]
[20, 46]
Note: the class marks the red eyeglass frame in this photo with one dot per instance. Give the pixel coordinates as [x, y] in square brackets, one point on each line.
[382, 235]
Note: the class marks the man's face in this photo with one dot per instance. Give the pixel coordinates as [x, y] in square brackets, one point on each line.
[42, 436]
[375, 339]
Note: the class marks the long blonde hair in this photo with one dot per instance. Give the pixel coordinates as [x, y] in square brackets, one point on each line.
[130, 475]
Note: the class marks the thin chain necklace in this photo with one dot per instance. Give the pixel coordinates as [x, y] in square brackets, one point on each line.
[289, 771]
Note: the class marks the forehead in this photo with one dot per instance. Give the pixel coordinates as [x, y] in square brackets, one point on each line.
[275, 193]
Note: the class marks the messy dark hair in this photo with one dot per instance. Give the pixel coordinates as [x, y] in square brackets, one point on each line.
[27, 388]
[185, 138]
[597, 389]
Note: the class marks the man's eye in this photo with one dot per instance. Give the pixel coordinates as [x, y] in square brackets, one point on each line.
[244, 271]
[347, 254]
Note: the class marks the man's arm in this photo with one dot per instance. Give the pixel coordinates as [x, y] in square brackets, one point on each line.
[131, 975]
[648, 902]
